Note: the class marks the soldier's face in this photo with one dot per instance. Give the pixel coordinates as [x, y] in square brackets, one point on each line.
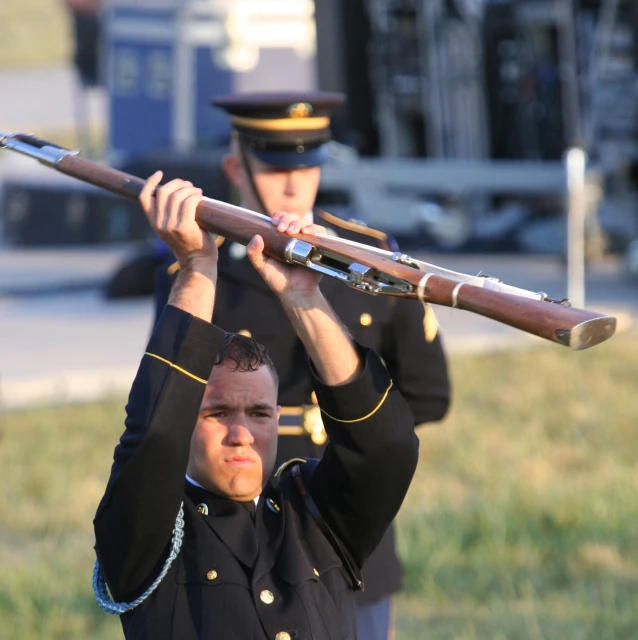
[287, 191]
[234, 445]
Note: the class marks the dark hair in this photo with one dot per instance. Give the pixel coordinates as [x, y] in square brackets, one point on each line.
[244, 354]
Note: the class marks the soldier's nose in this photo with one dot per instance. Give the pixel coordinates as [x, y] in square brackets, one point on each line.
[240, 434]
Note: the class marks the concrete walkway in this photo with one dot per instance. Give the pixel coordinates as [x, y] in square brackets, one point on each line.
[78, 346]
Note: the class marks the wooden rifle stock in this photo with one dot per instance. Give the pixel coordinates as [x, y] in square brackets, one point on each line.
[353, 263]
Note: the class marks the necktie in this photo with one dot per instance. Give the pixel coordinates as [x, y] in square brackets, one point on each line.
[249, 505]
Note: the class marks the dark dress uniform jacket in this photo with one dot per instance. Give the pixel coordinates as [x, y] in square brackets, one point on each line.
[278, 577]
[393, 328]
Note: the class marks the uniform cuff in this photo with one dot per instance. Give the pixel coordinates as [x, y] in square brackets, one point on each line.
[185, 342]
[359, 399]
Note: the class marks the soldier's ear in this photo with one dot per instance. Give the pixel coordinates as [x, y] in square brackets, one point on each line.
[232, 167]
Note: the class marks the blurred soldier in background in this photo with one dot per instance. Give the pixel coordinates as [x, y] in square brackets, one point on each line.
[278, 146]
[86, 25]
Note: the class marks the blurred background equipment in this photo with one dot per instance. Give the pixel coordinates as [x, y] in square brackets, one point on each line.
[412, 73]
[87, 42]
[516, 82]
[159, 63]
[41, 214]
[576, 162]
[458, 111]
[166, 59]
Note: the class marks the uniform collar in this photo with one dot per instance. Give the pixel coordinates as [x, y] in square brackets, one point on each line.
[196, 484]
[229, 521]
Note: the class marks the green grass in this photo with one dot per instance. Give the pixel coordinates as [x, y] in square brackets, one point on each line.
[54, 464]
[34, 32]
[522, 522]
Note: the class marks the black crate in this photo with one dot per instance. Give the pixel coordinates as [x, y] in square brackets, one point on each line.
[52, 215]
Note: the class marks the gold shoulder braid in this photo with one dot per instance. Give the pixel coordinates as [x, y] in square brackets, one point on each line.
[430, 323]
[286, 464]
[351, 225]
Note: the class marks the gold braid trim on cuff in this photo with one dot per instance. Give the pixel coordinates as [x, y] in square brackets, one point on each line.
[385, 395]
[174, 366]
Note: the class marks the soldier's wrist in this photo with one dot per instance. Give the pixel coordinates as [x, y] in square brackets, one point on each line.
[199, 266]
[305, 299]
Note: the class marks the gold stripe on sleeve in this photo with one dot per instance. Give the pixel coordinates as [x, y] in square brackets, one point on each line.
[385, 395]
[174, 366]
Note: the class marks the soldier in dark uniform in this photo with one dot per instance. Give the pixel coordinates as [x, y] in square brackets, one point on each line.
[279, 143]
[243, 559]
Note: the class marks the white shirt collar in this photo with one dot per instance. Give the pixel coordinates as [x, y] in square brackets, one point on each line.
[194, 482]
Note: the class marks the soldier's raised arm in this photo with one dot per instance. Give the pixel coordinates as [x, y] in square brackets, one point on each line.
[366, 470]
[136, 516]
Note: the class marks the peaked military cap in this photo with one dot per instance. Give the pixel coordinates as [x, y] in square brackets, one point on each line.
[288, 130]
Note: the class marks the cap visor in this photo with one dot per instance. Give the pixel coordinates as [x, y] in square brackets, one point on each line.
[294, 159]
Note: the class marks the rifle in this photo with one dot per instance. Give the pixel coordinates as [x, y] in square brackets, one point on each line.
[365, 268]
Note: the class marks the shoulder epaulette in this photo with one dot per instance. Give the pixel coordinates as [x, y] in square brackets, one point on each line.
[352, 225]
[174, 268]
[286, 464]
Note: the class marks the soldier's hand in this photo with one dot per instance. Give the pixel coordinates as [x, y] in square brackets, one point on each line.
[285, 279]
[170, 210]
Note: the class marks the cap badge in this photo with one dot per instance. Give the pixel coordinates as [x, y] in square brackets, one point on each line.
[300, 110]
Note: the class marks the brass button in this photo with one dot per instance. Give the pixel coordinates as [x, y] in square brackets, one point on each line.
[237, 251]
[212, 574]
[365, 319]
[282, 635]
[267, 597]
[245, 333]
[314, 570]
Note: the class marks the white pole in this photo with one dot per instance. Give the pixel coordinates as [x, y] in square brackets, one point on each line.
[576, 162]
